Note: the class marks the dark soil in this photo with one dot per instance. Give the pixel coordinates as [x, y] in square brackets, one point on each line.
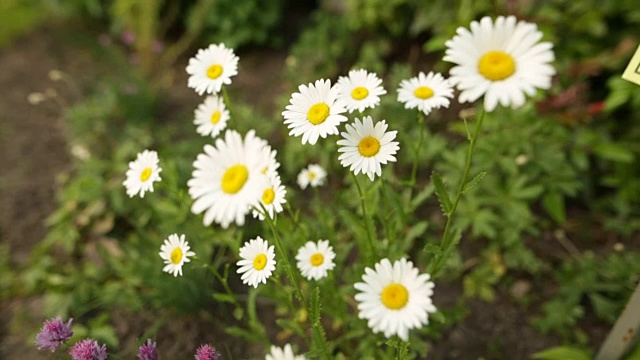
[34, 151]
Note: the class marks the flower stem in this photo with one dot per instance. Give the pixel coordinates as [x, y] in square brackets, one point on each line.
[227, 102]
[416, 154]
[372, 249]
[287, 266]
[222, 280]
[448, 240]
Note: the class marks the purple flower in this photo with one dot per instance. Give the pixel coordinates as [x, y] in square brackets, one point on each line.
[88, 349]
[148, 351]
[207, 352]
[53, 334]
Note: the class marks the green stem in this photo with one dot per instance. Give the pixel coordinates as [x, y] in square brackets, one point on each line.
[416, 155]
[287, 266]
[447, 240]
[372, 248]
[222, 279]
[227, 102]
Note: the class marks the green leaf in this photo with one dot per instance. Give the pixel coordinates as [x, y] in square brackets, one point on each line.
[318, 337]
[553, 203]
[474, 181]
[613, 152]
[441, 192]
[562, 353]
[223, 297]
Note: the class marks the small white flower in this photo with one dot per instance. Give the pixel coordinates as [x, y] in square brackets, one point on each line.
[313, 175]
[502, 61]
[315, 259]
[366, 147]
[142, 173]
[395, 298]
[425, 92]
[314, 111]
[211, 68]
[175, 252]
[360, 90]
[272, 198]
[228, 179]
[285, 353]
[258, 262]
[211, 116]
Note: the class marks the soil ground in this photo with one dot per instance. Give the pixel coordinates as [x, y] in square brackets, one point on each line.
[34, 151]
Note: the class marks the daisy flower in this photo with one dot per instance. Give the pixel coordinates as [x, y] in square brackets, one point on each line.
[365, 147]
[314, 111]
[285, 353]
[395, 298]
[142, 173]
[313, 175]
[258, 262]
[211, 68]
[360, 90]
[425, 92]
[175, 252]
[315, 259]
[228, 179]
[211, 116]
[272, 198]
[502, 61]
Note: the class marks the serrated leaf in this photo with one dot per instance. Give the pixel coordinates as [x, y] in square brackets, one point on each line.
[473, 182]
[562, 353]
[441, 192]
[318, 337]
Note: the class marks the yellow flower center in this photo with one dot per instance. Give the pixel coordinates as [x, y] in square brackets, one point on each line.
[215, 117]
[312, 175]
[145, 174]
[394, 296]
[318, 113]
[214, 71]
[234, 178]
[176, 256]
[423, 92]
[360, 93]
[260, 261]
[496, 65]
[316, 259]
[369, 146]
[268, 196]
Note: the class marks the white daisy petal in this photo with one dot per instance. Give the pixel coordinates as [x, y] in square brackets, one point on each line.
[211, 68]
[211, 116]
[394, 298]
[229, 179]
[502, 60]
[315, 259]
[313, 175]
[365, 147]
[175, 252]
[258, 262]
[425, 92]
[360, 90]
[142, 173]
[285, 353]
[314, 112]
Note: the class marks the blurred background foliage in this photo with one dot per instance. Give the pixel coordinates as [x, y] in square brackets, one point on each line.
[563, 171]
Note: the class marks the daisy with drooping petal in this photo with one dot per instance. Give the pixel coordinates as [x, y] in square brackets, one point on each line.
[285, 353]
[314, 111]
[313, 175]
[272, 198]
[258, 262]
[360, 90]
[142, 173]
[365, 147]
[502, 60]
[211, 68]
[175, 252]
[395, 298]
[228, 179]
[425, 92]
[315, 259]
[211, 116]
